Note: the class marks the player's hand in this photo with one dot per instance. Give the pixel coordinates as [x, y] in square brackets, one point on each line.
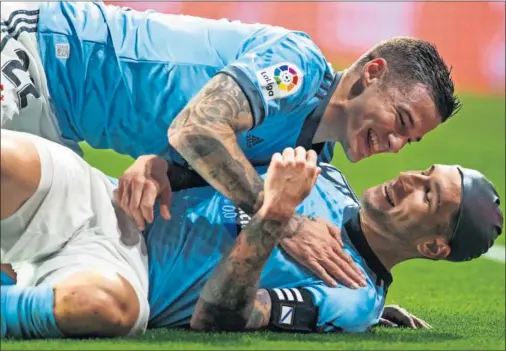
[139, 187]
[319, 247]
[289, 180]
[396, 316]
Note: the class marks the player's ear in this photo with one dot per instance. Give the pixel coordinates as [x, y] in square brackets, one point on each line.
[436, 249]
[373, 71]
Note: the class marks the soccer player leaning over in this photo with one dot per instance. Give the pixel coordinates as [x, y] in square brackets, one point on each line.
[84, 269]
[215, 95]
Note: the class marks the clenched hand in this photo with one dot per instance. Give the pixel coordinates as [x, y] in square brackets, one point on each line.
[289, 180]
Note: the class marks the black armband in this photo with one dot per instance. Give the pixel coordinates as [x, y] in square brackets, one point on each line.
[292, 309]
[181, 177]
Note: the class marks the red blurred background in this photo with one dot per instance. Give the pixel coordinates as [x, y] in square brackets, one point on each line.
[470, 35]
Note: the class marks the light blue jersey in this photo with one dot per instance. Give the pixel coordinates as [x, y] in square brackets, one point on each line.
[184, 251]
[118, 77]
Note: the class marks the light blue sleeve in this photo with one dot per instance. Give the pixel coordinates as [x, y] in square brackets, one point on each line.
[279, 71]
[344, 309]
[28, 312]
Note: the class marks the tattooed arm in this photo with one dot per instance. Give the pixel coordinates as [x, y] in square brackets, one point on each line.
[230, 299]
[204, 133]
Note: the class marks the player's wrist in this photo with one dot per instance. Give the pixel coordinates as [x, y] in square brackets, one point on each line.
[281, 214]
[259, 202]
[159, 163]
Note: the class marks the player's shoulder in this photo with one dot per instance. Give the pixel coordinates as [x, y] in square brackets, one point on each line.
[333, 186]
[290, 68]
[306, 45]
[292, 44]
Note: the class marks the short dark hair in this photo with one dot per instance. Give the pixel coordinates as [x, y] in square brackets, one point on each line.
[411, 61]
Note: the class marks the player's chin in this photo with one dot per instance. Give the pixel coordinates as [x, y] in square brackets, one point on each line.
[352, 154]
[367, 195]
[369, 200]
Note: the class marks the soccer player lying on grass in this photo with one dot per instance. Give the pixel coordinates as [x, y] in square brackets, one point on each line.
[215, 95]
[88, 272]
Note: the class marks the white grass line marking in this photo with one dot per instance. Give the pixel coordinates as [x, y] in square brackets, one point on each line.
[496, 253]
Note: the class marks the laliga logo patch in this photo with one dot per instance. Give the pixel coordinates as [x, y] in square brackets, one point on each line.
[286, 77]
[279, 81]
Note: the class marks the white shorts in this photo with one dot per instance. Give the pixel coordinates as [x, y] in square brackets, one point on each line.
[26, 104]
[70, 225]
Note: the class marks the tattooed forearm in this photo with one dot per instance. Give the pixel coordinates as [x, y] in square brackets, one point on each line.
[231, 175]
[205, 135]
[229, 300]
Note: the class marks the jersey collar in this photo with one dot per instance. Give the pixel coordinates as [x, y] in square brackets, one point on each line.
[312, 121]
[354, 231]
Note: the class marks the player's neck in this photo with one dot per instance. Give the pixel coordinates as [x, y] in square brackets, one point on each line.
[334, 120]
[332, 125]
[386, 248]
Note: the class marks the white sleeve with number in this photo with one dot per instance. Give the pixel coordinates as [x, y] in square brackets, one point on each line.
[25, 96]
[19, 95]
[20, 62]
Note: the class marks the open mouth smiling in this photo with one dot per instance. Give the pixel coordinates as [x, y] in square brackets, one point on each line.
[373, 142]
[388, 195]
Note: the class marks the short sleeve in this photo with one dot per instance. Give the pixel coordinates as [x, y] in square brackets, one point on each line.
[344, 309]
[17, 91]
[279, 72]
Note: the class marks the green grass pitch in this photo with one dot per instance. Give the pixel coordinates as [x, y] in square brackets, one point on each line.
[465, 303]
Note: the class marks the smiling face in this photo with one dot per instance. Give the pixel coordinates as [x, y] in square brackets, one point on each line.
[415, 204]
[384, 117]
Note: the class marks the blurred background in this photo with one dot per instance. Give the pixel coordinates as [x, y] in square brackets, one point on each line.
[469, 35]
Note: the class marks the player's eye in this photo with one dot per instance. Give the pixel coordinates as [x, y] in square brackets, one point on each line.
[427, 193]
[401, 120]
